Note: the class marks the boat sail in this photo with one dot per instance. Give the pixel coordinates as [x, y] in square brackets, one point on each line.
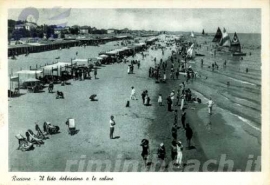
[192, 34]
[191, 52]
[203, 32]
[236, 46]
[218, 36]
[225, 40]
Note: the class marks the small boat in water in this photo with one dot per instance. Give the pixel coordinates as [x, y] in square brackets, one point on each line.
[236, 47]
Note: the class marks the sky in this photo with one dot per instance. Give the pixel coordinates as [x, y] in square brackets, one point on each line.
[234, 20]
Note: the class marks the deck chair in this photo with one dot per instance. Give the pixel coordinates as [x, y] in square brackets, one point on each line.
[40, 134]
[31, 137]
[50, 129]
[24, 145]
[71, 126]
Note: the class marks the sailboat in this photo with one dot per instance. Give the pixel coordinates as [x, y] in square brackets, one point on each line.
[236, 46]
[225, 40]
[191, 52]
[218, 36]
[192, 34]
[203, 32]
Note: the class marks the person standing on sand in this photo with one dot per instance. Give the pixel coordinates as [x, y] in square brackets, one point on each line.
[173, 151]
[189, 134]
[164, 76]
[145, 150]
[182, 101]
[138, 63]
[177, 73]
[145, 99]
[174, 132]
[175, 117]
[169, 102]
[95, 73]
[201, 63]
[177, 98]
[133, 94]
[112, 124]
[160, 100]
[183, 119]
[179, 149]
[143, 96]
[172, 96]
[210, 106]
[161, 153]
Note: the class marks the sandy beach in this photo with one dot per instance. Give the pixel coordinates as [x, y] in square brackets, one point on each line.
[224, 134]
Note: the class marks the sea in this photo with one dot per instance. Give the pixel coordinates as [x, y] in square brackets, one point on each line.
[242, 97]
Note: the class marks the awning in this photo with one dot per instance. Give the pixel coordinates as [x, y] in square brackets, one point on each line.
[29, 72]
[31, 80]
[112, 52]
[80, 60]
[103, 56]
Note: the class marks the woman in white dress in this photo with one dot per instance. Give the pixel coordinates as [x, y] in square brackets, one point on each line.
[179, 154]
[172, 97]
[145, 99]
[160, 100]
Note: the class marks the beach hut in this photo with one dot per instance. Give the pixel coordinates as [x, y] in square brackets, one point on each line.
[31, 82]
[55, 69]
[80, 61]
[28, 74]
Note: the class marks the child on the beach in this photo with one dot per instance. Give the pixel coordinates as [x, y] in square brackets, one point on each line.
[160, 100]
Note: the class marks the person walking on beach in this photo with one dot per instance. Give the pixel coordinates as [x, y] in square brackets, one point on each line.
[179, 149]
[138, 64]
[146, 99]
[224, 64]
[172, 96]
[183, 119]
[95, 73]
[173, 151]
[133, 94]
[169, 102]
[189, 134]
[174, 132]
[160, 99]
[112, 124]
[210, 106]
[143, 95]
[161, 153]
[145, 150]
[175, 117]
[177, 98]
[182, 101]
[164, 76]
[201, 63]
